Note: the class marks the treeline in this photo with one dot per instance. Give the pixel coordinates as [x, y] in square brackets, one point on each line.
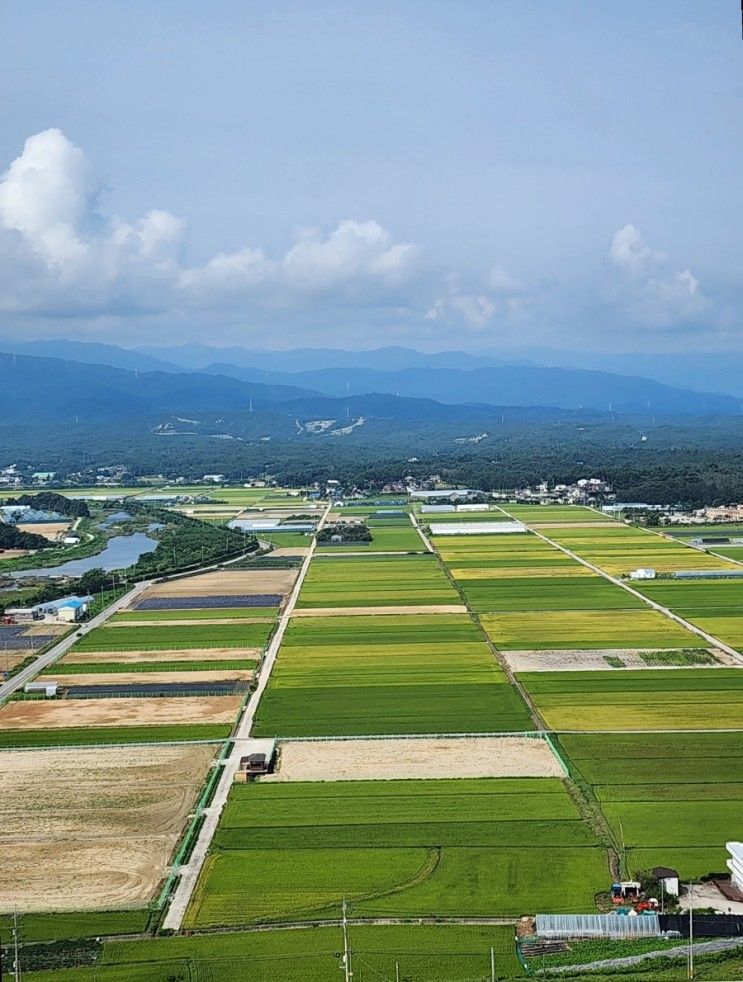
[51, 501]
[185, 542]
[348, 532]
[11, 537]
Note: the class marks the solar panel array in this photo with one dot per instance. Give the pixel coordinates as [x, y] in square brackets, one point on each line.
[201, 603]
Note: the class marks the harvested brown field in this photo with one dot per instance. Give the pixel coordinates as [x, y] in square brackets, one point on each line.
[38, 715]
[167, 654]
[134, 678]
[101, 834]
[365, 760]
[596, 660]
[226, 583]
[13, 553]
[377, 611]
[291, 551]
[10, 657]
[49, 530]
[573, 525]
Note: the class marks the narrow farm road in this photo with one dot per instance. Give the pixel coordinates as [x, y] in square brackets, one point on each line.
[189, 873]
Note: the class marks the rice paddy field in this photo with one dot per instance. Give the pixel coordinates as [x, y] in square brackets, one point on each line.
[376, 582]
[664, 699]
[401, 848]
[387, 674]
[174, 636]
[672, 800]
[440, 953]
[562, 514]
[587, 629]
[618, 549]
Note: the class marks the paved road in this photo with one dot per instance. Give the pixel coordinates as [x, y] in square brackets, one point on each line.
[43, 661]
[677, 951]
[190, 872]
[421, 533]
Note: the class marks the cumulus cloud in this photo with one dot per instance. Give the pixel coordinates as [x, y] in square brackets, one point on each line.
[648, 288]
[503, 295]
[61, 255]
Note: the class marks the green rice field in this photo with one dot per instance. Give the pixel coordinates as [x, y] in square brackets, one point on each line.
[86, 736]
[400, 848]
[173, 637]
[546, 593]
[672, 800]
[392, 674]
[434, 953]
[585, 629]
[244, 614]
[567, 514]
[662, 699]
[376, 582]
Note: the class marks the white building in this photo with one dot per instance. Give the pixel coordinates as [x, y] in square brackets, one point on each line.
[735, 863]
[643, 573]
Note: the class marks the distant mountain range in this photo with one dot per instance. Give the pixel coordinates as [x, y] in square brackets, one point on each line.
[68, 379]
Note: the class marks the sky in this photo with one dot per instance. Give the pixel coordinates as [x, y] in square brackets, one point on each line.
[434, 173]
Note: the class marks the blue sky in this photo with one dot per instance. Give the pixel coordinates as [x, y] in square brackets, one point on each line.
[489, 173]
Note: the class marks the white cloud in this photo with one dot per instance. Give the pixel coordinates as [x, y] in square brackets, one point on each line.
[648, 288]
[61, 256]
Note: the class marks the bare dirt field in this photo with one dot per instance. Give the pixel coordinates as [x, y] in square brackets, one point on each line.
[362, 760]
[377, 611]
[11, 657]
[291, 551]
[100, 835]
[227, 583]
[13, 553]
[37, 715]
[131, 678]
[39, 630]
[49, 530]
[595, 661]
[167, 654]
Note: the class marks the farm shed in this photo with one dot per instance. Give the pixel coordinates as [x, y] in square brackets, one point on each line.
[256, 756]
[49, 689]
[668, 877]
[643, 573]
[71, 611]
[477, 528]
[597, 926]
[437, 509]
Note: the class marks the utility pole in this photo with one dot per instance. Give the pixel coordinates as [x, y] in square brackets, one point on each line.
[16, 962]
[348, 974]
[397, 971]
[691, 932]
[492, 964]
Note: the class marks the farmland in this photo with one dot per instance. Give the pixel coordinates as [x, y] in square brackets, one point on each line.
[432, 817]
[679, 699]
[397, 847]
[438, 953]
[586, 629]
[380, 581]
[408, 674]
[101, 834]
[675, 800]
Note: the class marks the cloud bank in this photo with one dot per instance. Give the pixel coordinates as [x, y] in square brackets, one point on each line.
[62, 259]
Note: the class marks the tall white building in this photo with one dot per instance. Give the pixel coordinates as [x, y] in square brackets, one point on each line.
[735, 864]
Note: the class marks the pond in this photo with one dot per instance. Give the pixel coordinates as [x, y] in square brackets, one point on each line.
[116, 519]
[120, 552]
